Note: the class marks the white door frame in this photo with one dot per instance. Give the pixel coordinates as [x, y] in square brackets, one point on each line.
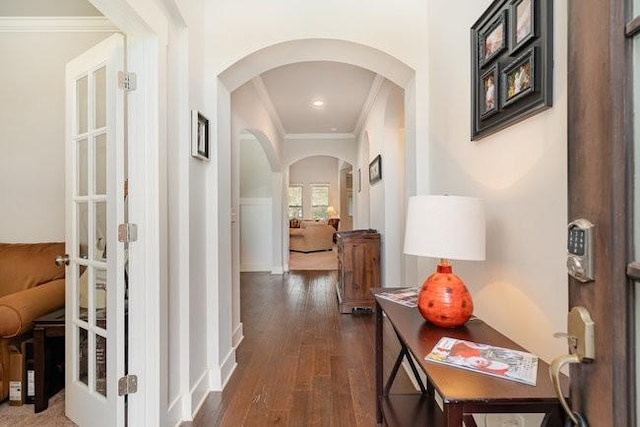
[144, 174]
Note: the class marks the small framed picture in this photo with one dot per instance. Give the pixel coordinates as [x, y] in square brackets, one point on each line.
[375, 170]
[199, 136]
[523, 26]
[518, 79]
[493, 40]
[489, 92]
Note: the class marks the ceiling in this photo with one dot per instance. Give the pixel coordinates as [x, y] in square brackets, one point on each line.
[346, 91]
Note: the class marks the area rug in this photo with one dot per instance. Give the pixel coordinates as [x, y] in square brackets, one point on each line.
[23, 415]
[321, 260]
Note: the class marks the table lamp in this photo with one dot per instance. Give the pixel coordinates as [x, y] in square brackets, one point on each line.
[331, 212]
[445, 227]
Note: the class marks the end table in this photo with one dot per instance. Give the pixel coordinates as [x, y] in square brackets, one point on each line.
[48, 355]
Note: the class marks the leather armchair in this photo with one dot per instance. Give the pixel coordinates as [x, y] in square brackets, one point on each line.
[31, 285]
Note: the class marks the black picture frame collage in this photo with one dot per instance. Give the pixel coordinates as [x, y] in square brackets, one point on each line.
[511, 64]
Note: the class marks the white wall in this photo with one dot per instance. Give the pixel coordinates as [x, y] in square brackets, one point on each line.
[341, 146]
[316, 170]
[383, 203]
[255, 171]
[255, 238]
[520, 172]
[32, 164]
[255, 207]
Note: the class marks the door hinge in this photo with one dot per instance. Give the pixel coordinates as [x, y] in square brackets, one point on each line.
[127, 81]
[127, 385]
[127, 233]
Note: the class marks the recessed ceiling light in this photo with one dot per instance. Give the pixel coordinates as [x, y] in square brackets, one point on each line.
[334, 129]
[318, 103]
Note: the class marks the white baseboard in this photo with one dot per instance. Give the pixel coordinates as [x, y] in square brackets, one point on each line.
[174, 413]
[199, 393]
[277, 269]
[218, 378]
[228, 366]
[238, 336]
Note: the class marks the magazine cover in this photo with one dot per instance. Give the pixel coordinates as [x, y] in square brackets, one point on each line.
[405, 296]
[500, 362]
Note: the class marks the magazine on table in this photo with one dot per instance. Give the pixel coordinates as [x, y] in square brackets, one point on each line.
[499, 362]
[405, 296]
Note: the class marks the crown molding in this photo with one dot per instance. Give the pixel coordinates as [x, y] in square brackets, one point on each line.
[368, 103]
[294, 136]
[41, 24]
[263, 93]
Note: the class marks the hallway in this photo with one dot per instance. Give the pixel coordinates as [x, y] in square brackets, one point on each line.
[301, 363]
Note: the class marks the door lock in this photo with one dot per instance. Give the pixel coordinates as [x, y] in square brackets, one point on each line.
[580, 250]
[581, 337]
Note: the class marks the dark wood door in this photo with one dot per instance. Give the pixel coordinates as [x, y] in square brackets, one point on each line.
[600, 134]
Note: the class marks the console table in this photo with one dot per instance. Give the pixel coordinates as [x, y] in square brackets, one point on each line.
[462, 393]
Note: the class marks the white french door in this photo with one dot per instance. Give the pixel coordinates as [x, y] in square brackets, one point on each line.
[95, 295]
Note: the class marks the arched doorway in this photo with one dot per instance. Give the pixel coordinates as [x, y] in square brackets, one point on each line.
[251, 66]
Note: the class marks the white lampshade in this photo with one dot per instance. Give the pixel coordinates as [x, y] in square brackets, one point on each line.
[449, 227]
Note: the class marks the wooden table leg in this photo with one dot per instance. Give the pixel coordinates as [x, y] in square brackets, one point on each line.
[38, 358]
[453, 415]
[554, 417]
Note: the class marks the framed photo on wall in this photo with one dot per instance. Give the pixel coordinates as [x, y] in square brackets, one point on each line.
[375, 170]
[519, 78]
[522, 15]
[199, 136]
[511, 64]
[489, 92]
[493, 40]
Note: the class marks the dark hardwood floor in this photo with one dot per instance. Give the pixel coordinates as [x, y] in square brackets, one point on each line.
[301, 363]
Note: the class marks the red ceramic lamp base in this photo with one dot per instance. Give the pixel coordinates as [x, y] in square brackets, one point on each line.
[444, 299]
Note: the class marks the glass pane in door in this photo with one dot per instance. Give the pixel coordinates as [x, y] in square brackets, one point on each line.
[82, 156]
[100, 80]
[82, 89]
[83, 347]
[82, 215]
[101, 365]
[101, 231]
[101, 164]
[100, 298]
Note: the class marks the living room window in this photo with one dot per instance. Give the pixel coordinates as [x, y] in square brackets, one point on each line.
[295, 202]
[319, 201]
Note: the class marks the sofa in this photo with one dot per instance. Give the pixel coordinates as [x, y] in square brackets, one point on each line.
[311, 236]
[31, 285]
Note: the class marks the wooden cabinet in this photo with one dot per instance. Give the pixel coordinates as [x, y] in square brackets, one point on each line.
[358, 269]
